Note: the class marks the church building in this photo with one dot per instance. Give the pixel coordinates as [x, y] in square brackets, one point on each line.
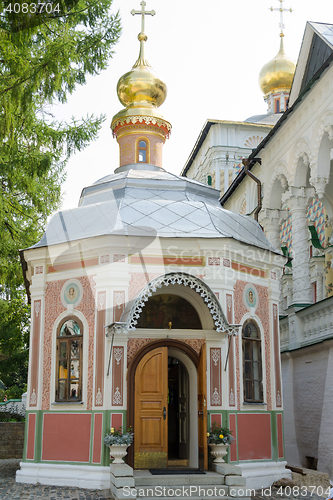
[152, 307]
[294, 167]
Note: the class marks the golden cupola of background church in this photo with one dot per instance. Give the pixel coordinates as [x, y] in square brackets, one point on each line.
[140, 128]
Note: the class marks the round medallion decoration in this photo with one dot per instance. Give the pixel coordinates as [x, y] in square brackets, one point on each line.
[126, 149]
[250, 297]
[71, 294]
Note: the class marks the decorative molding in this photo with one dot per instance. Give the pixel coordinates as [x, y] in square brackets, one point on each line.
[116, 328]
[99, 398]
[216, 400]
[118, 257]
[215, 376]
[39, 270]
[213, 261]
[183, 279]
[253, 142]
[118, 305]
[118, 354]
[117, 375]
[148, 120]
[33, 398]
[104, 259]
[231, 398]
[37, 307]
[117, 399]
[215, 356]
[319, 183]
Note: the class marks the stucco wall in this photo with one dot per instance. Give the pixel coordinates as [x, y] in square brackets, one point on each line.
[307, 389]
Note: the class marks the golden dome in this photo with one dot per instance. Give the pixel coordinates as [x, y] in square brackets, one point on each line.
[140, 90]
[277, 73]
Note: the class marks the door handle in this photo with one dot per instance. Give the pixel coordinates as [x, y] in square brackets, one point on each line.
[164, 413]
[201, 412]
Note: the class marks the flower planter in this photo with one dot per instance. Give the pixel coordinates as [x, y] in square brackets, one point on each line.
[118, 452]
[218, 451]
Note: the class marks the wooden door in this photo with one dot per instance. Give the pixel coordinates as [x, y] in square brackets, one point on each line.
[202, 410]
[183, 412]
[150, 417]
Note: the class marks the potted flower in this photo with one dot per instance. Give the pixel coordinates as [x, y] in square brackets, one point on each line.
[219, 438]
[118, 442]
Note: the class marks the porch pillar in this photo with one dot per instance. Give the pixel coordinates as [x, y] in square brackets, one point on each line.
[297, 200]
[271, 220]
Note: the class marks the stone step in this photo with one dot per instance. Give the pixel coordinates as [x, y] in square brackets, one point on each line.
[190, 491]
[147, 479]
[182, 491]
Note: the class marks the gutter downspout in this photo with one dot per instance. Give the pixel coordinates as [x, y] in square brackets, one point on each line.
[247, 164]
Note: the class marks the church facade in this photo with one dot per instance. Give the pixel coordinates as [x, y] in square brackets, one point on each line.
[294, 165]
[152, 307]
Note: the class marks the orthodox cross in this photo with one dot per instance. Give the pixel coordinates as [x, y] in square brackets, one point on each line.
[143, 12]
[281, 10]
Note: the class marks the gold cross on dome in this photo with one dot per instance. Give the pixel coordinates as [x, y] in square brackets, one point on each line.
[143, 12]
[281, 10]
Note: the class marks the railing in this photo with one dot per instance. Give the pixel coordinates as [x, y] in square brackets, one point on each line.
[307, 326]
[13, 407]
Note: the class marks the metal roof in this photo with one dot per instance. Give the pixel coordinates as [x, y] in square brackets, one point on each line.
[151, 202]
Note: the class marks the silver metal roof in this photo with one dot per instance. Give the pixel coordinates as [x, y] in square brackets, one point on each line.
[151, 202]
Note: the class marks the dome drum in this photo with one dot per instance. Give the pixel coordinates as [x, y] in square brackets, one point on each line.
[140, 146]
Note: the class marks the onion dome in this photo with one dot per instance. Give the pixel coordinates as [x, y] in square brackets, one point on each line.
[140, 90]
[278, 73]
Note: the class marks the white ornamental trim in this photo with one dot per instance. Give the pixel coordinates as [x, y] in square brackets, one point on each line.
[216, 398]
[141, 119]
[184, 279]
[118, 354]
[99, 398]
[216, 356]
[116, 397]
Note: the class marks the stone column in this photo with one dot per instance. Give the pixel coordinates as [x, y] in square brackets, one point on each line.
[297, 200]
[271, 220]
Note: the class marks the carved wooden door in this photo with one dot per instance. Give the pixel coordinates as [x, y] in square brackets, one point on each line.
[150, 419]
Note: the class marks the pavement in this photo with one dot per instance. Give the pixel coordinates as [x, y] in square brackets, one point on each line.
[10, 490]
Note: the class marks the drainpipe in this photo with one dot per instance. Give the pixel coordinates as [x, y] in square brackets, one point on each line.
[247, 164]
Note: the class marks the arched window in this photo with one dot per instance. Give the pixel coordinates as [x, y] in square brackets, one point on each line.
[143, 151]
[209, 180]
[277, 106]
[252, 365]
[69, 360]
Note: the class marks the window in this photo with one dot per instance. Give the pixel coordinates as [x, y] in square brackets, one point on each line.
[277, 106]
[143, 151]
[69, 360]
[252, 369]
[209, 180]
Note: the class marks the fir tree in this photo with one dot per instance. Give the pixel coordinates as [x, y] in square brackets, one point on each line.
[46, 50]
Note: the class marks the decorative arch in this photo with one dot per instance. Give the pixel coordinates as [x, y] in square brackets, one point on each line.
[281, 180]
[200, 287]
[242, 205]
[325, 125]
[303, 152]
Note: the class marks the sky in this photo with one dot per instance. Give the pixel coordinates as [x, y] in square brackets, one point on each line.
[209, 54]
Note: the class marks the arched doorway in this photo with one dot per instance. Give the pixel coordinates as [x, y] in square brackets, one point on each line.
[164, 390]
